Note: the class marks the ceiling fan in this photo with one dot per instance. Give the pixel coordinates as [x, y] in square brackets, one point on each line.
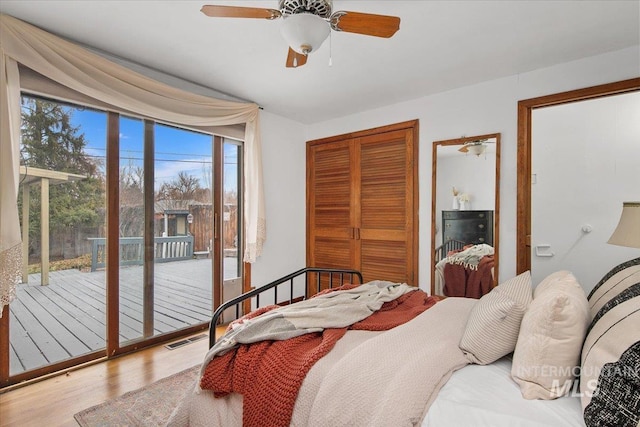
[307, 23]
[476, 147]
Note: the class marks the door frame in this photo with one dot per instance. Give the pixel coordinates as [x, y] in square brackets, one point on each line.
[525, 109]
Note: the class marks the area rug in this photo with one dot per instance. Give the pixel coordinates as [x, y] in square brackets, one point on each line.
[148, 406]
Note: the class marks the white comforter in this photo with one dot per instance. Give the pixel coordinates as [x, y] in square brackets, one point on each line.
[368, 378]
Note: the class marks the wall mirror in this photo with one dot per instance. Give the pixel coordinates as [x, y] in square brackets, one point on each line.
[465, 200]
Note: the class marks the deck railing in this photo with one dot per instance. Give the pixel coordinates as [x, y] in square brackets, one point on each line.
[166, 249]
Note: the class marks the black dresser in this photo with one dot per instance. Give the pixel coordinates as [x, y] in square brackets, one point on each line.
[469, 227]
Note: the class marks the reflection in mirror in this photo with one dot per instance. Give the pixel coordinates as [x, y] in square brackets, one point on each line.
[464, 215]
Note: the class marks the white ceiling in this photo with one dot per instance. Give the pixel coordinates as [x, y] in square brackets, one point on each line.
[441, 45]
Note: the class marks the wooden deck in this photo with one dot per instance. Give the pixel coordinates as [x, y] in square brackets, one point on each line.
[67, 318]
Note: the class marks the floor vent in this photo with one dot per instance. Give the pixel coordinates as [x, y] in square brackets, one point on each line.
[184, 342]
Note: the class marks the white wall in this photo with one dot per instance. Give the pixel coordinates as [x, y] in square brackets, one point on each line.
[284, 169]
[599, 140]
[474, 110]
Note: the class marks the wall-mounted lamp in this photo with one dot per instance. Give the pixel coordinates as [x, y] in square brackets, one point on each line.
[627, 233]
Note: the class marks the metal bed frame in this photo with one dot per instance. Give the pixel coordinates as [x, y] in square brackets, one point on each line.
[450, 245]
[341, 273]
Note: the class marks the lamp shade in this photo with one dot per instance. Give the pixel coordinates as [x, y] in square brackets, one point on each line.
[627, 233]
[304, 32]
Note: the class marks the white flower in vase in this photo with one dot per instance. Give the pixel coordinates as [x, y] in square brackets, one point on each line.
[456, 203]
[463, 199]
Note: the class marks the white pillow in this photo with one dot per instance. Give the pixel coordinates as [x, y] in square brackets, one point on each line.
[494, 322]
[552, 332]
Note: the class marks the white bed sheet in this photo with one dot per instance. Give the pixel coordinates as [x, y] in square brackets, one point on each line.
[487, 396]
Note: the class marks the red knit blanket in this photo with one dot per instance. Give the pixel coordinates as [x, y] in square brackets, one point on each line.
[269, 373]
[460, 281]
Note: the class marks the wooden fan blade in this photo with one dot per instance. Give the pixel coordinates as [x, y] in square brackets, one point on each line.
[463, 149]
[365, 23]
[239, 12]
[295, 59]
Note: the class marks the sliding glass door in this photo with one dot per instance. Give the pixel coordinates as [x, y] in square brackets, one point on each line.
[59, 310]
[166, 174]
[232, 209]
[130, 227]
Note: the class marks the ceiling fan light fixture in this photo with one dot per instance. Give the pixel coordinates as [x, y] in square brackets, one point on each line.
[304, 32]
[477, 149]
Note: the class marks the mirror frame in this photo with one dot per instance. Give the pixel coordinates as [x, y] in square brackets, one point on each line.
[525, 109]
[496, 209]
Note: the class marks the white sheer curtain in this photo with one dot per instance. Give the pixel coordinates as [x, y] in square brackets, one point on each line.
[101, 79]
[10, 242]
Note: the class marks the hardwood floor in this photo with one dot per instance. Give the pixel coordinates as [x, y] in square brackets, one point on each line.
[54, 401]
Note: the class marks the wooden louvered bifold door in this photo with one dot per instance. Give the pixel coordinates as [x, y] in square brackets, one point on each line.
[386, 208]
[329, 206]
[362, 203]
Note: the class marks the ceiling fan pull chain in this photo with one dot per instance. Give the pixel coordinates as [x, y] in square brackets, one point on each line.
[330, 50]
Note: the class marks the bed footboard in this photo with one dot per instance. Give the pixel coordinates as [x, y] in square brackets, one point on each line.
[450, 245]
[331, 276]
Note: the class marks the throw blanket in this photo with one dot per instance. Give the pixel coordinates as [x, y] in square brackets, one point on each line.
[470, 258]
[269, 373]
[460, 281]
[368, 379]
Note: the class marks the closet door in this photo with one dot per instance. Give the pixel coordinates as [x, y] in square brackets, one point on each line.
[385, 218]
[331, 205]
[362, 203]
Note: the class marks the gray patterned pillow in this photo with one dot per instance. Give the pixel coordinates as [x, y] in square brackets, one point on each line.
[610, 374]
[494, 322]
